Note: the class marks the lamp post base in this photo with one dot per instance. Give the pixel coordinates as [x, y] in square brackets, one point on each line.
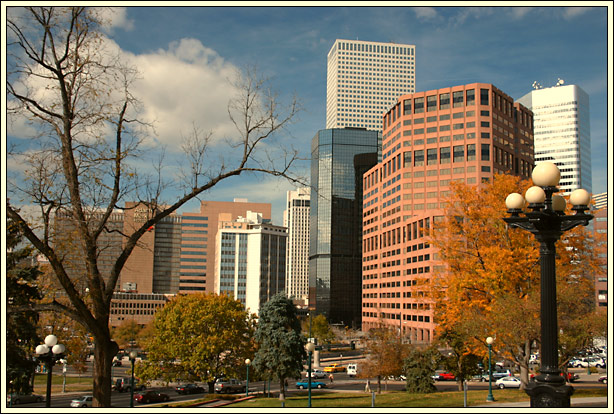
[547, 395]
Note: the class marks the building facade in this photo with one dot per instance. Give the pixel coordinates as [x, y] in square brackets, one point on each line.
[296, 220]
[339, 158]
[600, 228]
[562, 133]
[250, 263]
[364, 79]
[463, 133]
[198, 237]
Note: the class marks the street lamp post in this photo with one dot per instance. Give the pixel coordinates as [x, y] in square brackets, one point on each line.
[310, 348]
[132, 356]
[247, 362]
[489, 342]
[547, 222]
[50, 353]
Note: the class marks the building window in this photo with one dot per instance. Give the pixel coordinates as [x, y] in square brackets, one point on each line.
[484, 96]
[470, 97]
[444, 101]
[431, 103]
[407, 107]
[418, 158]
[431, 156]
[444, 155]
[485, 152]
[418, 105]
[471, 152]
[459, 153]
[457, 99]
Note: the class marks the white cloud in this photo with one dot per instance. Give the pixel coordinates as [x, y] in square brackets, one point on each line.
[520, 12]
[114, 18]
[573, 12]
[425, 12]
[186, 85]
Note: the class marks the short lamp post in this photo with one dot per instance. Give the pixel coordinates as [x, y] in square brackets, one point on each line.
[310, 347]
[247, 363]
[489, 342]
[547, 221]
[50, 353]
[132, 356]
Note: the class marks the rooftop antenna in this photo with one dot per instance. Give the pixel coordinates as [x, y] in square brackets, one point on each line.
[536, 85]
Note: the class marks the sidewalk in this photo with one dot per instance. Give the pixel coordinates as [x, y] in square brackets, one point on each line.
[575, 402]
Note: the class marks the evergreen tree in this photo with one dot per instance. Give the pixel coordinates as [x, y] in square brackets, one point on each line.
[21, 320]
[419, 367]
[281, 347]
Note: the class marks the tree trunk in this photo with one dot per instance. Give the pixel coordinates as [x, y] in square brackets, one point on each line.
[104, 352]
[282, 389]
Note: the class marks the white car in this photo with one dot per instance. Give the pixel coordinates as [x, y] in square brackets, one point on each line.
[508, 382]
[85, 401]
[316, 373]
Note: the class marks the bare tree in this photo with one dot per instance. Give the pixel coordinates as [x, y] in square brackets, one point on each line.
[63, 79]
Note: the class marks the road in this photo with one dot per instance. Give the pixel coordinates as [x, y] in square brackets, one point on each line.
[341, 382]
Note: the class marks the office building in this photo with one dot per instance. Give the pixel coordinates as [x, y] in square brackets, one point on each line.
[463, 133]
[199, 231]
[600, 201]
[296, 220]
[339, 158]
[364, 79]
[600, 229]
[250, 264]
[562, 132]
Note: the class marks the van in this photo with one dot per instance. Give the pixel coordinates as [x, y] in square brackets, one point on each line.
[352, 370]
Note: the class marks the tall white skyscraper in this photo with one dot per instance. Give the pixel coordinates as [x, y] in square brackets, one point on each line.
[364, 79]
[296, 219]
[562, 132]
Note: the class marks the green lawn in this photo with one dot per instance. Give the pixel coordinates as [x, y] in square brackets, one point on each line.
[73, 384]
[400, 399]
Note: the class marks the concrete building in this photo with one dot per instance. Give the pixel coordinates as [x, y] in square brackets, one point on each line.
[562, 132]
[250, 264]
[296, 220]
[600, 228]
[364, 79]
[340, 156]
[466, 133]
[198, 236]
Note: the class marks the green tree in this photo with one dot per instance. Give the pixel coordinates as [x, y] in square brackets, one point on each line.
[320, 329]
[21, 320]
[198, 337]
[66, 80]
[419, 367]
[461, 361]
[281, 346]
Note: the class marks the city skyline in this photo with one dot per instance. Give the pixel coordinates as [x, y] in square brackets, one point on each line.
[200, 45]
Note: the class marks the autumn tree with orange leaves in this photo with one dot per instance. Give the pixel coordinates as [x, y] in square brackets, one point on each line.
[490, 282]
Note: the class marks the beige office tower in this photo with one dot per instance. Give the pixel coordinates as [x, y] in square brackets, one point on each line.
[364, 79]
[296, 219]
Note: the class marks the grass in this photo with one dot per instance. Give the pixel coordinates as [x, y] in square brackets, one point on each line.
[73, 384]
[399, 399]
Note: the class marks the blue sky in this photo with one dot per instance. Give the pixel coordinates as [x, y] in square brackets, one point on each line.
[509, 47]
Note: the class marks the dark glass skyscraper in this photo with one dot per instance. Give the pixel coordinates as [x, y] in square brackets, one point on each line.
[340, 156]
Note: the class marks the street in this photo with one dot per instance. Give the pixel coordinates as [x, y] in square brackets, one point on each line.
[341, 382]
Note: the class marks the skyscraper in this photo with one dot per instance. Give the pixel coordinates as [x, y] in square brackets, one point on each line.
[296, 219]
[364, 79]
[340, 156]
[250, 262]
[462, 133]
[562, 132]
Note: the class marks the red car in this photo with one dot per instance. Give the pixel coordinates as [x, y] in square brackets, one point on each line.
[151, 396]
[446, 376]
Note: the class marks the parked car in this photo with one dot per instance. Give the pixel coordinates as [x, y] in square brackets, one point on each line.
[603, 379]
[151, 396]
[85, 401]
[446, 376]
[597, 362]
[508, 382]
[16, 399]
[124, 384]
[571, 376]
[189, 389]
[314, 384]
[335, 368]
[316, 373]
[228, 386]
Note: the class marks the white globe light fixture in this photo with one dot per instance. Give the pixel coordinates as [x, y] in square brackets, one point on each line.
[547, 221]
[51, 340]
[546, 174]
[49, 353]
